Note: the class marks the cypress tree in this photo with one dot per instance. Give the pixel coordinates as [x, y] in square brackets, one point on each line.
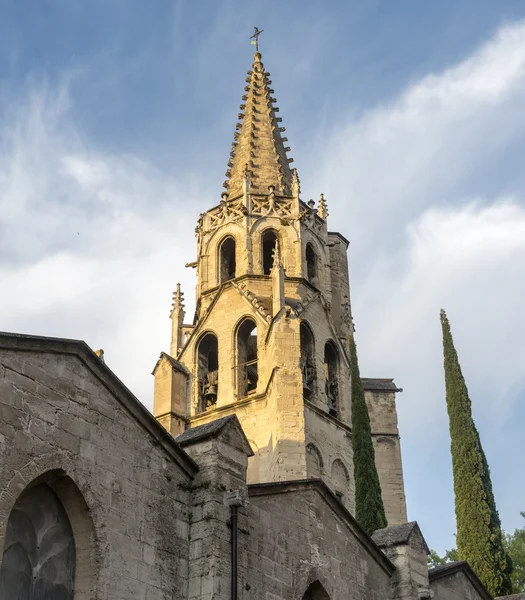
[479, 537]
[369, 509]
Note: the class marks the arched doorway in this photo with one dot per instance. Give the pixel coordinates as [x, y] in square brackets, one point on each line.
[39, 553]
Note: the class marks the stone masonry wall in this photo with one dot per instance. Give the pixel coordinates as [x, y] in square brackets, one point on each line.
[59, 423]
[294, 538]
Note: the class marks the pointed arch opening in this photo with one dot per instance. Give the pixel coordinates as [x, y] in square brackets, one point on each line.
[331, 386]
[311, 264]
[208, 370]
[269, 241]
[247, 361]
[227, 259]
[307, 359]
[316, 591]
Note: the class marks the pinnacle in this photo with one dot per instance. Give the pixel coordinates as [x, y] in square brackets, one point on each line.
[258, 147]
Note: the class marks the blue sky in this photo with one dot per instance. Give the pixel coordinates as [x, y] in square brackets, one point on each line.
[116, 120]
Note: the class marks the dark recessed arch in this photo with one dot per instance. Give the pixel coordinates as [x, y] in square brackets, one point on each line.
[247, 359]
[316, 591]
[311, 264]
[208, 370]
[269, 241]
[227, 259]
[331, 372]
[307, 343]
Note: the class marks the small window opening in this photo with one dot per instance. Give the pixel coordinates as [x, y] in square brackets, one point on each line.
[307, 360]
[247, 368]
[227, 264]
[269, 242]
[208, 371]
[331, 378]
[311, 264]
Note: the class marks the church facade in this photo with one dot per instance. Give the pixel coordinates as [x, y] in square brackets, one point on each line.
[240, 485]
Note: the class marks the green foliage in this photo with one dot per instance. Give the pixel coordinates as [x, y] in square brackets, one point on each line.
[515, 547]
[434, 560]
[479, 536]
[369, 509]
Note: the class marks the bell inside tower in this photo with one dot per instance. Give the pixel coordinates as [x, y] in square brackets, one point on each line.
[247, 368]
[208, 373]
[331, 378]
[307, 359]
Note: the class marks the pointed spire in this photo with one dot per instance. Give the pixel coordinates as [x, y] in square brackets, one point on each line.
[322, 208]
[258, 146]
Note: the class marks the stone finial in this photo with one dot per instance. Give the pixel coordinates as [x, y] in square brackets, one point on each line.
[277, 275]
[322, 209]
[276, 254]
[178, 300]
[177, 318]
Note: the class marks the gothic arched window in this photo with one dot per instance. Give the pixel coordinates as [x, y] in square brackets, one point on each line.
[307, 359]
[247, 368]
[269, 242]
[208, 370]
[311, 264]
[227, 260]
[39, 552]
[331, 384]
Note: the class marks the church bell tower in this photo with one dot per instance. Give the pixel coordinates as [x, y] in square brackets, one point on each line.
[269, 338]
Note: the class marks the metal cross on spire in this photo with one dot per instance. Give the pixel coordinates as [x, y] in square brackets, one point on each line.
[255, 37]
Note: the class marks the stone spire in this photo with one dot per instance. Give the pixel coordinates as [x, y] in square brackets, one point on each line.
[258, 152]
[177, 318]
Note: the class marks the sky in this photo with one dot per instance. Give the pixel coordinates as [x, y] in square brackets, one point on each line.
[116, 121]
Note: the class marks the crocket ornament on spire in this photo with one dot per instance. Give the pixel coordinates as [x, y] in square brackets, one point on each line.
[258, 146]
